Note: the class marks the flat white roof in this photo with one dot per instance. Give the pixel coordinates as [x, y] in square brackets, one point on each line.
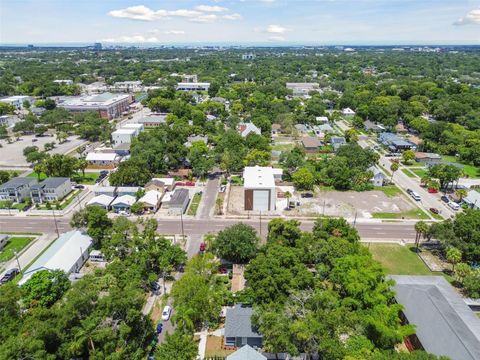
[93, 156]
[63, 254]
[151, 197]
[132, 126]
[166, 181]
[124, 131]
[103, 200]
[193, 84]
[258, 177]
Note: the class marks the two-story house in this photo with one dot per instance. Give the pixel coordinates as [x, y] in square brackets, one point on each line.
[51, 189]
[17, 189]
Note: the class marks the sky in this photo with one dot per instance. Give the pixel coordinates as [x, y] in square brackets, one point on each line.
[276, 22]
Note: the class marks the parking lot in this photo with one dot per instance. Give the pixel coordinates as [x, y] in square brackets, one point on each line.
[11, 155]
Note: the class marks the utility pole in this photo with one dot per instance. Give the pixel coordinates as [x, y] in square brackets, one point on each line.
[355, 219]
[18, 262]
[260, 224]
[181, 221]
[56, 225]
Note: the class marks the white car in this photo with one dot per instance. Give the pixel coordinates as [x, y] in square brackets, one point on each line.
[167, 311]
[454, 205]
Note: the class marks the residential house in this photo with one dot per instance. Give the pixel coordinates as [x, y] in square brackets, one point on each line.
[321, 119]
[193, 138]
[311, 144]
[127, 190]
[259, 188]
[51, 189]
[301, 128]
[153, 120]
[151, 200]
[3, 240]
[100, 159]
[239, 330]
[103, 201]
[123, 136]
[105, 190]
[395, 143]
[323, 128]
[378, 178]
[444, 324]
[348, 112]
[17, 100]
[472, 199]
[160, 184]
[427, 158]
[246, 352]
[337, 142]
[123, 203]
[246, 128]
[68, 253]
[137, 126]
[179, 201]
[303, 89]
[9, 120]
[276, 129]
[371, 126]
[17, 189]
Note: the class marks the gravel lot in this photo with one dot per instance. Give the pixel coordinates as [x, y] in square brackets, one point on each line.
[12, 154]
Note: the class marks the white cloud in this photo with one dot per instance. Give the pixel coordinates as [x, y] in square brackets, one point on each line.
[134, 39]
[472, 17]
[275, 29]
[184, 13]
[266, 1]
[139, 12]
[232, 17]
[207, 18]
[210, 8]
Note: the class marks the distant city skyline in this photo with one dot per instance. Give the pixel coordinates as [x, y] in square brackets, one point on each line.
[267, 22]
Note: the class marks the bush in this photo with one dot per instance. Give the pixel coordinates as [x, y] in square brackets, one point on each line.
[472, 284]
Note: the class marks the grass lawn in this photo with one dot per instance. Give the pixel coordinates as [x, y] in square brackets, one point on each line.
[88, 179]
[390, 190]
[420, 172]
[471, 171]
[63, 204]
[282, 147]
[410, 214]
[15, 243]
[192, 210]
[214, 347]
[398, 260]
[408, 173]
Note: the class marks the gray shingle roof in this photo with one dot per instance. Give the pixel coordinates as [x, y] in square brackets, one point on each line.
[178, 197]
[445, 325]
[238, 322]
[18, 181]
[50, 183]
[246, 353]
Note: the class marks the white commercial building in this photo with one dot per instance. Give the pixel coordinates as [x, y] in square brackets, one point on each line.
[17, 100]
[123, 136]
[108, 105]
[63, 82]
[138, 127]
[193, 86]
[68, 253]
[259, 188]
[102, 159]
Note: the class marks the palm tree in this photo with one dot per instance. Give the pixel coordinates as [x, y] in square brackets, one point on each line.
[393, 168]
[183, 319]
[461, 193]
[421, 228]
[82, 164]
[288, 195]
[454, 256]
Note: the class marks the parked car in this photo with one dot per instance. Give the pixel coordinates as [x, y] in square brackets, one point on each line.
[79, 186]
[409, 191]
[454, 206]
[432, 190]
[9, 275]
[222, 188]
[222, 270]
[104, 172]
[307, 195]
[202, 247]
[415, 196]
[445, 199]
[159, 328]
[167, 311]
[434, 210]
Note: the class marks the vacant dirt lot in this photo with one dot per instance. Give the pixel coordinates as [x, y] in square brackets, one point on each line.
[339, 203]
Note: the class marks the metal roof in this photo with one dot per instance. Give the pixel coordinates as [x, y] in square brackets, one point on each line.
[256, 177]
[246, 352]
[445, 325]
[238, 322]
[179, 196]
[63, 254]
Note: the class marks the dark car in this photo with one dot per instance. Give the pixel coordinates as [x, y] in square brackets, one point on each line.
[409, 191]
[159, 328]
[9, 275]
[445, 199]
[79, 187]
[307, 195]
[434, 210]
[104, 172]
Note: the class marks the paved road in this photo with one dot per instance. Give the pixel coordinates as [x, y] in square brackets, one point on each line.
[207, 204]
[370, 230]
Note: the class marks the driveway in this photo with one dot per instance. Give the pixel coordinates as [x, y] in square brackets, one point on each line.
[207, 204]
